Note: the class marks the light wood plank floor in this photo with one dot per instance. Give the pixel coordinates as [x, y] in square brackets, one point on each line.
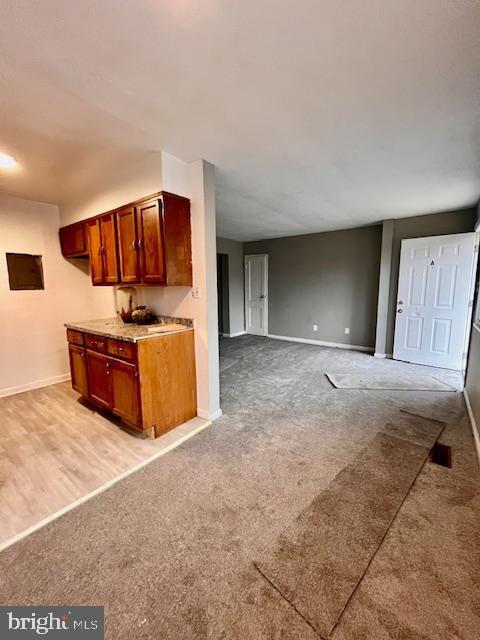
[54, 450]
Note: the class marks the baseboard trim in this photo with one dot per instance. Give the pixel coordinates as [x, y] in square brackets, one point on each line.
[234, 335]
[473, 425]
[322, 343]
[379, 355]
[38, 384]
[201, 413]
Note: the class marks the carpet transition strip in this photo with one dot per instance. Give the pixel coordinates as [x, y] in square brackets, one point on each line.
[320, 559]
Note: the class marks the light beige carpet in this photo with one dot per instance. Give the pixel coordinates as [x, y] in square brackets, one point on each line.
[322, 556]
[397, 382]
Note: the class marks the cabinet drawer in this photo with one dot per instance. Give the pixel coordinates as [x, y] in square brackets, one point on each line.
[75, 337]
[121, 349]
[96, 343]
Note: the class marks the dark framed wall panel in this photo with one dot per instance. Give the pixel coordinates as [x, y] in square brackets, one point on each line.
[25, 271]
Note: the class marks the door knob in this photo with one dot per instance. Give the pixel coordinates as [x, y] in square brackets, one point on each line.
[399, 310]
[261, 297]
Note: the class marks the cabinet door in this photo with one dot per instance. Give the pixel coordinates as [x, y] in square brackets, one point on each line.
[125, 390]
[128, 245]
[99, 386]
[178, 244]
[73, 241]
[151, 241]
[95, 250]
[78, 369]
[109, 249]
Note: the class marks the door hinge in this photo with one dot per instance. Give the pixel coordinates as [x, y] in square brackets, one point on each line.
[476, 248]
[470, 304]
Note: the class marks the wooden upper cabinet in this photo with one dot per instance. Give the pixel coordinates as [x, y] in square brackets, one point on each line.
[178, 243]
[146, 242]
[109, 248]
[151, 241]
[95, 250]
[128, 245]
[73, 240]
[102, 243]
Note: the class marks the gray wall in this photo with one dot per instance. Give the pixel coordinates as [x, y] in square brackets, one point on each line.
[236, 314]
[435, 224]
[472, 382]
[329, 279]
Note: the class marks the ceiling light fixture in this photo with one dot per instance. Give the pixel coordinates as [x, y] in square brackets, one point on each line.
[6, 161]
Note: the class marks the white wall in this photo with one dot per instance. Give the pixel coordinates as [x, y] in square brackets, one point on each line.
[236, 299]
[111, 182]
[32, 335]
[116, 182]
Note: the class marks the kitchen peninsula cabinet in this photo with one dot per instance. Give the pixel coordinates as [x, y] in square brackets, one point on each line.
[146, 379]
[78, 369]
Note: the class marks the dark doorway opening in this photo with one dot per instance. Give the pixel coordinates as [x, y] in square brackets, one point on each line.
[222, 293]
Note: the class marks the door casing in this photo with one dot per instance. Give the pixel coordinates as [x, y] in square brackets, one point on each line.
[264, 258]
[433, 258]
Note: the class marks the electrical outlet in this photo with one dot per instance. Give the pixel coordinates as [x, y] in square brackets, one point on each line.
[347, 330]
[196, 292]
[315, 327]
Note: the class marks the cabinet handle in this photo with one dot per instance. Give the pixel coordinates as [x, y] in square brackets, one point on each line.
[139, 243]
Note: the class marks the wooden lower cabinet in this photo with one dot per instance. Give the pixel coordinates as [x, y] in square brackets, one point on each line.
[151, 384]
[125, 390]
[98, 370]
[78, 368]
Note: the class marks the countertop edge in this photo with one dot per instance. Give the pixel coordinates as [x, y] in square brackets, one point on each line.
[106, 334]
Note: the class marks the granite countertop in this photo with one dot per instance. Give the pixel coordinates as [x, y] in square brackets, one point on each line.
[117, 329]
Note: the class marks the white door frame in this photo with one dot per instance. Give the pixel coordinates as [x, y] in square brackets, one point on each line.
[473, 284]
[471, 293]
[265, 287]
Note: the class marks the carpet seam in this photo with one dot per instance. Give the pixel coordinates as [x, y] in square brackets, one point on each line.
[274, 586]
[426, 457]
[418, 415]
[387, 530]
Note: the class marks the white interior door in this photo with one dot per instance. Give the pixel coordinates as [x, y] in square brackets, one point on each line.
[434, 299]
[256, 291]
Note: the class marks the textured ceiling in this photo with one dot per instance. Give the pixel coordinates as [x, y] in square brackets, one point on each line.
[317, 114]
